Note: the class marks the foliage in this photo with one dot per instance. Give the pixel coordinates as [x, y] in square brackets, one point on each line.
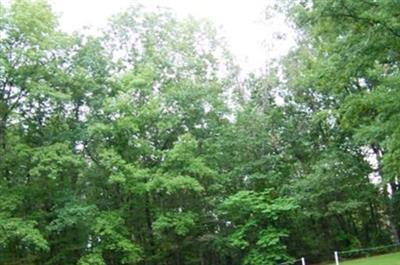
[142, 145]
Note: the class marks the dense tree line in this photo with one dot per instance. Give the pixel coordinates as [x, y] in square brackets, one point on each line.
[142, 146]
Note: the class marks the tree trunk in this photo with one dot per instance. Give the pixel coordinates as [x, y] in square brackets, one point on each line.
[390, 198]
[393, 213]
[3, 121]
[149, 225]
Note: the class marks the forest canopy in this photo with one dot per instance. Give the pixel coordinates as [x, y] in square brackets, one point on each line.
[145, 145]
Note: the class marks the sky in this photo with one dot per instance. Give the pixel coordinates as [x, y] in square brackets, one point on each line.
[250, 36]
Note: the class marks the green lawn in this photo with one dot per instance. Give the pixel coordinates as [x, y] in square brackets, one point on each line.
[388, 259]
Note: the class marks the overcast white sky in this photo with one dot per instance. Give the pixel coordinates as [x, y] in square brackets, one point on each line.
[243, 24]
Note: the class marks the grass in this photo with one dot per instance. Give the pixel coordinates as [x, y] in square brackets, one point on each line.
[388, 259]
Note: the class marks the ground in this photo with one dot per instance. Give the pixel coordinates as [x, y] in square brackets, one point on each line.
[388, 259]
